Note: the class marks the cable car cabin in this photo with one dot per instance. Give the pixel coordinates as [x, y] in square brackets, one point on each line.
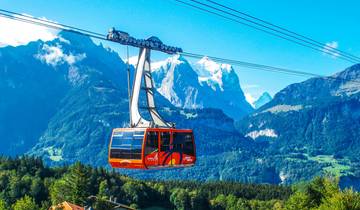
[146, 148]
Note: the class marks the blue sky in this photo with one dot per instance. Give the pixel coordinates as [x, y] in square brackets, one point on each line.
[199, 32]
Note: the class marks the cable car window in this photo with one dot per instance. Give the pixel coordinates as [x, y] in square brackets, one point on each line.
[186, 140]
[165, 141]
[151, 142]
[178, 141]
[127, 145]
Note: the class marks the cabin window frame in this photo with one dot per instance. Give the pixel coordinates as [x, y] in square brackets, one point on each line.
[133, 151]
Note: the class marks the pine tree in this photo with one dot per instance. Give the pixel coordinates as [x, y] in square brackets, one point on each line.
[73, 187]
[25, 203]
[78, 183]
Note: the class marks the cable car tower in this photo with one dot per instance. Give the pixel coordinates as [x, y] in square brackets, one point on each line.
[148, 144]
[143, 73]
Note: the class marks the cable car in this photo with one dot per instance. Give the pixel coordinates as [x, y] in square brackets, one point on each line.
[139, 148]
[152, 143]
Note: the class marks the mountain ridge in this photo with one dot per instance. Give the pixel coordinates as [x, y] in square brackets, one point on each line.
[205, 84]
[307, 129]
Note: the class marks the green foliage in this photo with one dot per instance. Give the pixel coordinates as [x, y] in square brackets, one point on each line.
[135, 192]
[102, 204]
[25, 203]
[26, 184]
[298, 201]
[3, 205]
[77, 181]
[323, 193]
[59, 192]
[104, 192]
[347, 200]
[180, 199]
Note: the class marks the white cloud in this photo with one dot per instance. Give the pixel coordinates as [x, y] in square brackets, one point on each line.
[17, 33]
[329, 48]
[54, 55]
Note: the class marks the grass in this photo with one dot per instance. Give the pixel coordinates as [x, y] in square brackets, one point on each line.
[336, 167]
[54, 153]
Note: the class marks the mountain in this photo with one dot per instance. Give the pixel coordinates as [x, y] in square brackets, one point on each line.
[64, 96]
[311, 128]
[61, 99]
[263, 99]
[206, 84]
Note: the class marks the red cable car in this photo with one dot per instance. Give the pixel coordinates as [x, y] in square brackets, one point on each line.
[148, 148]
[149, 144]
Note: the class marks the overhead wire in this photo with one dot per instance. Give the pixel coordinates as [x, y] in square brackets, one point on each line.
[52, 22]
[253, 65]
[27, 19]
[321, 48]
[57, 26]
[282, 28]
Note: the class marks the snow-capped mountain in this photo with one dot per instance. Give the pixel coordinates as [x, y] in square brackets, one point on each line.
[263, 99]
[205, 84]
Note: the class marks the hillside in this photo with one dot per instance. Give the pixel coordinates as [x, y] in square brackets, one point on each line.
[315, 122]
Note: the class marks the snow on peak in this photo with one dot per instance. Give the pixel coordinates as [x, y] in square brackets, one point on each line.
[176, 59]
[262, 133]
[211, 72]
[173, 60]
[167, 85]
[212, 66]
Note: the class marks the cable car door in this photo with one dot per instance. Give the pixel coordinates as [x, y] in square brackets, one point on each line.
[165, 149]
[151, 158]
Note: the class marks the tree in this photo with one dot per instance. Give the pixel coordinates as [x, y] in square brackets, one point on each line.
[78, 182]
[72, 187]
[298, 201]
[3, 205]
[25, 203]
[101, 204]
[59, 192]
[198, 200]
[313, 194]
[180, 199]
[219, 202]
[135, 192]
[37, 189]
[103, 190]
[346, 200]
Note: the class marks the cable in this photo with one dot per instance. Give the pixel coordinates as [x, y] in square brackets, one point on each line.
[323, 47]
[253, 65]
[282, 28]
[52, 22]
[268, 68]
[28, 20]
[193, 55]
[81, 31]
[317, 48]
